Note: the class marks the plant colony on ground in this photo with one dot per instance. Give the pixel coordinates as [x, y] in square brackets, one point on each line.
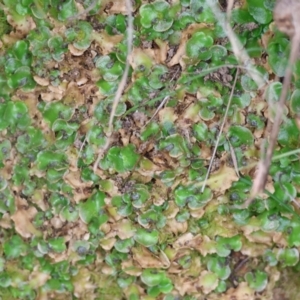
[140, 227]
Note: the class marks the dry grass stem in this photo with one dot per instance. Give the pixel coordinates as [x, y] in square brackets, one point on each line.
[237, 48]
[249, 166]
[158, 109]
[234, 159]
[264, 165]
[121, 86]
[220, 132]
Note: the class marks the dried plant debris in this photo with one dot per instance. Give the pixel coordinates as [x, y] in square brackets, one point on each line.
[130, 136]
[286, 16]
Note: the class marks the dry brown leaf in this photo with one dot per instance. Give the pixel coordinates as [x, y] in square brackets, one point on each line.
[73, 96]
[107, 244]
[106, 229]
[38, 198]
[183, 241]
[5, 221]
[280, 239]
[159, 195]
[107, 270]
[190, 116]
[172, 210]
[81, 81]
[78, 230]
[195, 269]
[107, 42]
[133, 287]
[167, 114]
[7, 170]
[252, 249]
[264, 40]
[184, 38]
[161, 52]
[139, 56]
[197, 213]
[56, 222]
[203, 244]
[58, 257]
[130, 268]
[41, 81]
[80, 194]
[50, 96]
[113, 213]
[139, 118]
[165, 259]
[124, 229]
[185, 285]
[22, 219]
[222, 180]
[75, 51]
[147, 167]
[260, 237]
[82, 282]
[207, 246]
[31, 100]
[253, 225]
[172, 226]
[207, 288]
[147, 259]
[175, 268]
[205, 151]
[74, 179]
[116, 7]
[21, 28]
[124, 136]
[38, 278]
[241, 292]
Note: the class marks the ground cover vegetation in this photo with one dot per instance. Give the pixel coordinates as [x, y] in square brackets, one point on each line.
[130, 134]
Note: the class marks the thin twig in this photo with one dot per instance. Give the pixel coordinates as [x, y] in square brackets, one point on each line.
[238, 266]
[163, 102]
[264, 165]
[274, 158]
[234, 159]
[250, 166]
[220, 133]
[121, 86]
[286, 154]
[158, 109]
[82, 145]
[199, 75]
[229, 9]
[215, 68]
[236, 45]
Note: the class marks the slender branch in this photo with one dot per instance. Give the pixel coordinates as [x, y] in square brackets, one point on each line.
[264, 165]
[234, 159]
[158, 109]
[250, 166]
[121, 86]
[199, 75]
[220, 133]
[236, 45]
